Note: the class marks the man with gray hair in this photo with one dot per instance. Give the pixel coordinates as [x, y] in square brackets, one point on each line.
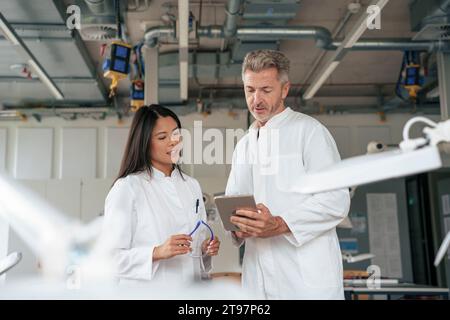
[291, 246]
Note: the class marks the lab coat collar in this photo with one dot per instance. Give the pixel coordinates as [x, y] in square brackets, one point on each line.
[158, 174]
[275, 120]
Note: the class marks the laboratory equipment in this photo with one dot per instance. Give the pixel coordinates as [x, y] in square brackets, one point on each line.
[9, 262]
[414, 156]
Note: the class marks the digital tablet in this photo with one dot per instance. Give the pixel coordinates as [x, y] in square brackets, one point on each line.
[227, 206]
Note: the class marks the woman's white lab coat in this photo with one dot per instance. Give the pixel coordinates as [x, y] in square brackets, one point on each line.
[142, 212]
[307, 263]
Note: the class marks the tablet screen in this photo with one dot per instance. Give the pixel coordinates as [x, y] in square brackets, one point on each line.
[227, 206]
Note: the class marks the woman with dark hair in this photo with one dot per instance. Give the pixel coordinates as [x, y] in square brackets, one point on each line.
[152, 207]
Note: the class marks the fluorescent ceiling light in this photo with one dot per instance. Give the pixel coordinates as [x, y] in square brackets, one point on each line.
[46, 80]
[353, 36]
[319, 81]
[7, 32]
[361, 26]
[32, 61]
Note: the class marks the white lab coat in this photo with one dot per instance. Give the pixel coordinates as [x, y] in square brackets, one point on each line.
[307, 263]
[142, 212]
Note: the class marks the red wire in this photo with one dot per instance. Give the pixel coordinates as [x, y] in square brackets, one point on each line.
[102, 49]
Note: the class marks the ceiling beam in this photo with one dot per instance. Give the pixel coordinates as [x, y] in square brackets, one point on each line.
[12, 36]
[352, 37]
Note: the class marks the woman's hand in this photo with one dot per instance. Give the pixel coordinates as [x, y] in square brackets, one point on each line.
[174, 246]
[211, 248]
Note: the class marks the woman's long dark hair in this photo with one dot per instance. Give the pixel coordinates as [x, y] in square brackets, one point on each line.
[137, 156]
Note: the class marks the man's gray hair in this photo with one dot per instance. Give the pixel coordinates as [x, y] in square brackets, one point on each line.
[259, 60]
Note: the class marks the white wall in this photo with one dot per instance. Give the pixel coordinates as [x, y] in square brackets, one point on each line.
[73, 163]
[99, 144]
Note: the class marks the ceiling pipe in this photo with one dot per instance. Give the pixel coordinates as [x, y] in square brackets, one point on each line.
[211, 32]
[42, 39]
[232, 12]
[394, 44]
[341, 25]
[320, 34]
[153, 34]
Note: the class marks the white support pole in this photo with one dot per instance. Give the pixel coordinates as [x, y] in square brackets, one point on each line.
[183, 40]
[151, 75]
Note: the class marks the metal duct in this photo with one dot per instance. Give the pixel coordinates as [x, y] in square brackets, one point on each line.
[152, 35]
[96, 6]
[394, 44]
[232, 12]
[320, 34]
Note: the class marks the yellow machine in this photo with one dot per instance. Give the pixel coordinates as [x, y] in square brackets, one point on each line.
[412, 75]
[137, 94]
[117, 66]
[413, 80]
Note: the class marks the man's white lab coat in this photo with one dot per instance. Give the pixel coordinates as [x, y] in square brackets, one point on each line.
[142, 212]
[307, 263]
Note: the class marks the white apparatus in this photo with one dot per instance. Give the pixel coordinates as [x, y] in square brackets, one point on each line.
[414, 156]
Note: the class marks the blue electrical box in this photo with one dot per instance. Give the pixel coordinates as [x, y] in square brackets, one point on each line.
[119, 58]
